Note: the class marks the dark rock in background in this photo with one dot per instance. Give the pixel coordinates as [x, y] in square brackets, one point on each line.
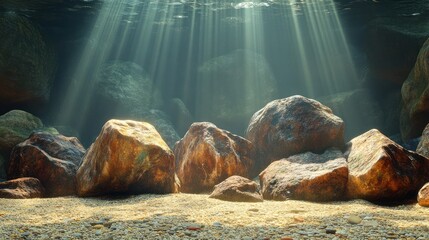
[53, 159]
[207, 155]
[381, 170]
[415, 97]
[128, 157]
[2, 168]
[22, 188]
[180, 115]
[237, 189]
[230, 88]
[293, 125]
[307, 176]
[27, 63]
[423, 147]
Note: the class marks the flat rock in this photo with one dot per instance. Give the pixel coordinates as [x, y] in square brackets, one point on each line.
[22, 188]
[293, 125]
[423, 147]
[53, 159]
[237, 189]
[128, 157]
[381, 170]
[207, 155]
[307, 176]
[415, 95]
[423, 196]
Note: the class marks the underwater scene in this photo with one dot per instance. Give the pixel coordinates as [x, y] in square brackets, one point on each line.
[214, 119]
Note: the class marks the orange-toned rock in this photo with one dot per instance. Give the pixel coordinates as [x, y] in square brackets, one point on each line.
[128, 157]
[293, 125]
[415, 97]
[53, 159]
[381, 170]
[21, 188]
[423, 147]
[423, 196]
[307, 176]
[237, 189]
[207, 155]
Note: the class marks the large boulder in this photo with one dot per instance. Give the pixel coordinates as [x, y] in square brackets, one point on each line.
[381, 170]
[15, 127]
[307, 176]
[22, 188]
[128, 157]
[415, 97]
[230, 88]
[53, 159]
[423, 196]
[237, 189]
[358, 108]
[27, 64]
[423, 147]
[2, 168]
[293, 125]
[207, 155]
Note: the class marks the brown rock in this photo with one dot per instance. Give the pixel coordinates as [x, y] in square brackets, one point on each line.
[127, 157]
[237, 189]
[423, 147]
[293, 125]
[415, 97]
[423, 196]
[307, 176]
[21, 188]
[207, 155]
[381, 170]
[53, 159]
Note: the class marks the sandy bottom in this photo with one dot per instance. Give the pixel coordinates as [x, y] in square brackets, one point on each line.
[189, 216]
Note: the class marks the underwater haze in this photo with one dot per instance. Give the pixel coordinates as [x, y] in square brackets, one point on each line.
[174, 62]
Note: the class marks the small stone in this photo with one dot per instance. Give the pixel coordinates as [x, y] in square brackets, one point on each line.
[98, 232]
[25, 234]
[193, 227]
[330, 231]
[286, 238]
[217, 224]
[98, 226]
[354, 219]
[107, 224]
[77, 235]
[253, 210]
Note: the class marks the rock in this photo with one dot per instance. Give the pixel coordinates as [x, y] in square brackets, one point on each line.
[358, 108]
[392, 45]
[243, 78]
[415, 97]
[27, 64]
[207, 155]
[423, 196]
[15, 127]
[381, 170]
[354, 219]
[423, 147]
[293, 125]
[180, 115]
[128, 157]
[162, 124]
[307, 176]
[53, 159]
[2, 168]
[21, 188]
[125, 87]
[237, 189]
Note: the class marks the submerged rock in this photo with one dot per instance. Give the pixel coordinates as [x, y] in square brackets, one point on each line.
[237, 189]
[423, 196]
[128, 157]
[293, 125]
[2, 168]
[307, 176]
[207, 155]
[423, 147]
[27, 64]
[21, 188]
[180, 115]
[15, 127]
[230, 88]
[415, 97]
[381, 170]
[53, 159]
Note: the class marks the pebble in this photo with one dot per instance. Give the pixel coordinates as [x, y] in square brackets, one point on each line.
[77, 235]
[330, 231]
[354, 219]
[98, 226]
[217, 224]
